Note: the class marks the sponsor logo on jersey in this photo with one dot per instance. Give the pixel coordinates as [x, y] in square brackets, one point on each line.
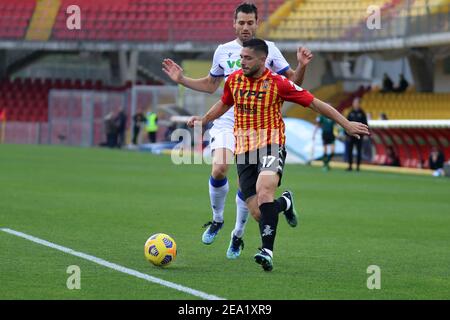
[250, 93]
[234, 63]
[244, 108]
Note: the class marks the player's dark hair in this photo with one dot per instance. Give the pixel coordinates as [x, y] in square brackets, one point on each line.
[246, 8]
[257, 44]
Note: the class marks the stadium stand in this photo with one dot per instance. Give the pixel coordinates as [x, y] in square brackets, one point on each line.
[198, 20]
[15, 17]
[43, 19]
[421, 9]
[327, 19]
[112, 20]
[407, 105]
[26, 100]
[348, 98]
[315, 19]
[123, 20]
[424, 7]
[139, 20]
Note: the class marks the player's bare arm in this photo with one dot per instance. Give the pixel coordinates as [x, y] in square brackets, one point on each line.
[304, 57]
[208, 84]
[217, 110]
[355, 129]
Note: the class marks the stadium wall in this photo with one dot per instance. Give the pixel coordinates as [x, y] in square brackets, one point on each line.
[315, 73]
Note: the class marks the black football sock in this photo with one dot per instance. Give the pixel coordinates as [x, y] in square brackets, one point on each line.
[281, 204]
[330, 156]
[268, 223]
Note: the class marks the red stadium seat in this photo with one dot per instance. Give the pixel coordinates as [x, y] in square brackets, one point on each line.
[14, 18]
[122, 20]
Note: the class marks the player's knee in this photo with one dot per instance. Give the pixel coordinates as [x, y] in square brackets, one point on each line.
[252, 206]
[256, 214]
[219, 171]
[265, 195]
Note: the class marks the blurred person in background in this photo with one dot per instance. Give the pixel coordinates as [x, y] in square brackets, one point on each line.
[138, 120]
[388, 85]
[121, 124]
[392, 158]
[402, 85]
[328, 138]
[169, 131]
[151, 125]
[356, 115]
[436, 162]
[110, 129]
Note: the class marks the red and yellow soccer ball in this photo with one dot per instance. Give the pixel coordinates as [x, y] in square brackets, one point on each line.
[160, 249]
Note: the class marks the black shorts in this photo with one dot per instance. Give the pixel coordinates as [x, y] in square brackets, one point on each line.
[328, 138]
[251, 164]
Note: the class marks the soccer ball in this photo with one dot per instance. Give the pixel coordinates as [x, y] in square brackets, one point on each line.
[160, 249]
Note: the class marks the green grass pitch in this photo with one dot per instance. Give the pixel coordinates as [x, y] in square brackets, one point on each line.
[106, 203]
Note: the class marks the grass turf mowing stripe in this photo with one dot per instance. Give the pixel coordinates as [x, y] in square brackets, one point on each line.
[114, 266]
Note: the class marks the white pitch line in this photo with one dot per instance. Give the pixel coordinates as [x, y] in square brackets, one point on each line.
[114, 266]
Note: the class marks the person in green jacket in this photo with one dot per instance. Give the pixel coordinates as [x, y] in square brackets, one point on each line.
[328, 138]
[151, 125]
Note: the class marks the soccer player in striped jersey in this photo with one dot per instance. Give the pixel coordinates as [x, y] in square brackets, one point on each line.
[227, 60]
[258, 95]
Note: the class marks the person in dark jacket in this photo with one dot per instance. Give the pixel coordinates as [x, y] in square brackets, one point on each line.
[357, 115]
[388, 85]
[121, 124]
[436, 162]
[392, 158]
[110, 130]
[138, 120]
[403, 84]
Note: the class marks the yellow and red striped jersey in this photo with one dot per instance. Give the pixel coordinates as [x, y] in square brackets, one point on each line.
[257, 107]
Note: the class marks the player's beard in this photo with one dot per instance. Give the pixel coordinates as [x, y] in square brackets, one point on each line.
[251, 72]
